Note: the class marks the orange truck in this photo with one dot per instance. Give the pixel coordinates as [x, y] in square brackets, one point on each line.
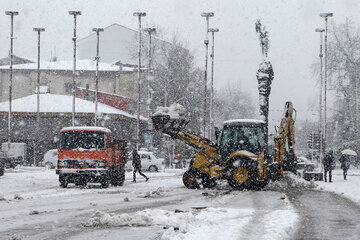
[90, 154]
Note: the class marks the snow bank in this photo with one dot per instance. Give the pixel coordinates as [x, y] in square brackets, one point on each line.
[195, 224]
[290, 180]
[174, 111]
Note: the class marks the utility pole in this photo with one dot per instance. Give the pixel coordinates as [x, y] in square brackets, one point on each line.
[97, 59]
[150, 78]
[321, 31]
[11, 14]
[213, 31]
[139, 15]
[207, 15]
[326, 16]
[37, 152]
[75, 14]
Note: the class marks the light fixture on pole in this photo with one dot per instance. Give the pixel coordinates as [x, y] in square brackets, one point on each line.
[321, 31]
[97, 59]
[207, 15]
[139, 15]
[150, 31]
[11, 14]
[37, 152]
[213, 31]
[75, 14]
[325, 16]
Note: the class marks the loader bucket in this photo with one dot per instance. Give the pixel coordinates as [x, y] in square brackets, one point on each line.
[167, 124]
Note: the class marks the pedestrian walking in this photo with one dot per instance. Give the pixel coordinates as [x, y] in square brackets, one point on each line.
[345, 164]
[328, 162]
[137, 165]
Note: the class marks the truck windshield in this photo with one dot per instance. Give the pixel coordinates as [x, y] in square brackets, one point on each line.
[249, 138]
[83, 140]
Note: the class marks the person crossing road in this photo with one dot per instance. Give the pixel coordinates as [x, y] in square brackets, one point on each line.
[137, 165]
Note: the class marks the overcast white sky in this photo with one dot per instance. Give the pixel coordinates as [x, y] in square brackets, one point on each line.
[294, 43]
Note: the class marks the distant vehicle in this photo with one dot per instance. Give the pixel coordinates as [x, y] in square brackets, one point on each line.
[17, 150]
[8, 161]
[304, 165]
[149, 162]
[90, 154]
[50, 158]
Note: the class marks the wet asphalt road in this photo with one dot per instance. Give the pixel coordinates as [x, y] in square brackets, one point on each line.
[325, 215]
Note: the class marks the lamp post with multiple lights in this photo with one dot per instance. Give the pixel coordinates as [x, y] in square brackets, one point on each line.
[37, 152]
[321, 31]
[75, 14]
[213, 31]
[207, 15]
[139, 15]
[97, 59]
[325, 16]
[11, 14]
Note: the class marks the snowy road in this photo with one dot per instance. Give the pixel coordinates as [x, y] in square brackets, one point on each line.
[34, 207]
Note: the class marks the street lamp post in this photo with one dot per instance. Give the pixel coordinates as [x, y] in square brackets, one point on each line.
[139, 15]
[37, 152]
[11, 14]
[213, 31]
[75, 14]
[321, 31]
[150, 78]
[97, 59]
[326, 16]
[207, 15]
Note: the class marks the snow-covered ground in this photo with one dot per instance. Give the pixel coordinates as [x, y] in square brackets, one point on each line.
[33, 206]
[348, 188]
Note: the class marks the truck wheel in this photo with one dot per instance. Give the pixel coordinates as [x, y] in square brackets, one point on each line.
[105, 182]
[153, 168]
[2, 169]
[121, 179]
[241, 175]
[63, 182]
[192, 178]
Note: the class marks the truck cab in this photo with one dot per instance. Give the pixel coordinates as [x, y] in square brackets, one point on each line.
[90, 154]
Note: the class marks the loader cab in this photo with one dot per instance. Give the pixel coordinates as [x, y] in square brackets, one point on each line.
[242, 134]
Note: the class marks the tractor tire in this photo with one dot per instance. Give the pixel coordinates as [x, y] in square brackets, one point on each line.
[2, 169]
[192, 178]
[208, 182]
[241, 174]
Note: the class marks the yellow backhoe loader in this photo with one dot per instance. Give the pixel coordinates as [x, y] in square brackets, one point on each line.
[240, 153]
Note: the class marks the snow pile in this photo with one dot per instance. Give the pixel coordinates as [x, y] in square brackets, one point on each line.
[174, 111]
[157, 193]
[197, 224]
[290, 180]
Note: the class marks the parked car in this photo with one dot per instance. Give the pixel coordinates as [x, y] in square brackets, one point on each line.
[303, 166]
[8, 161]
[149, 162]
[50, 158]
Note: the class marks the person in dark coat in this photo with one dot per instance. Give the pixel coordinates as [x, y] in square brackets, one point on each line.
[328, 163]
[345, 164]
[137, 165]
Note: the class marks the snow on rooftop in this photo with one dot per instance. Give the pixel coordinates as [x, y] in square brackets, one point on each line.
[86, 128]
[52, 103]
[81, 65]
[242, 121]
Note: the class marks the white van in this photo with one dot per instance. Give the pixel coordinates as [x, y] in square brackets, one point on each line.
[149, 162]
[50, 159]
